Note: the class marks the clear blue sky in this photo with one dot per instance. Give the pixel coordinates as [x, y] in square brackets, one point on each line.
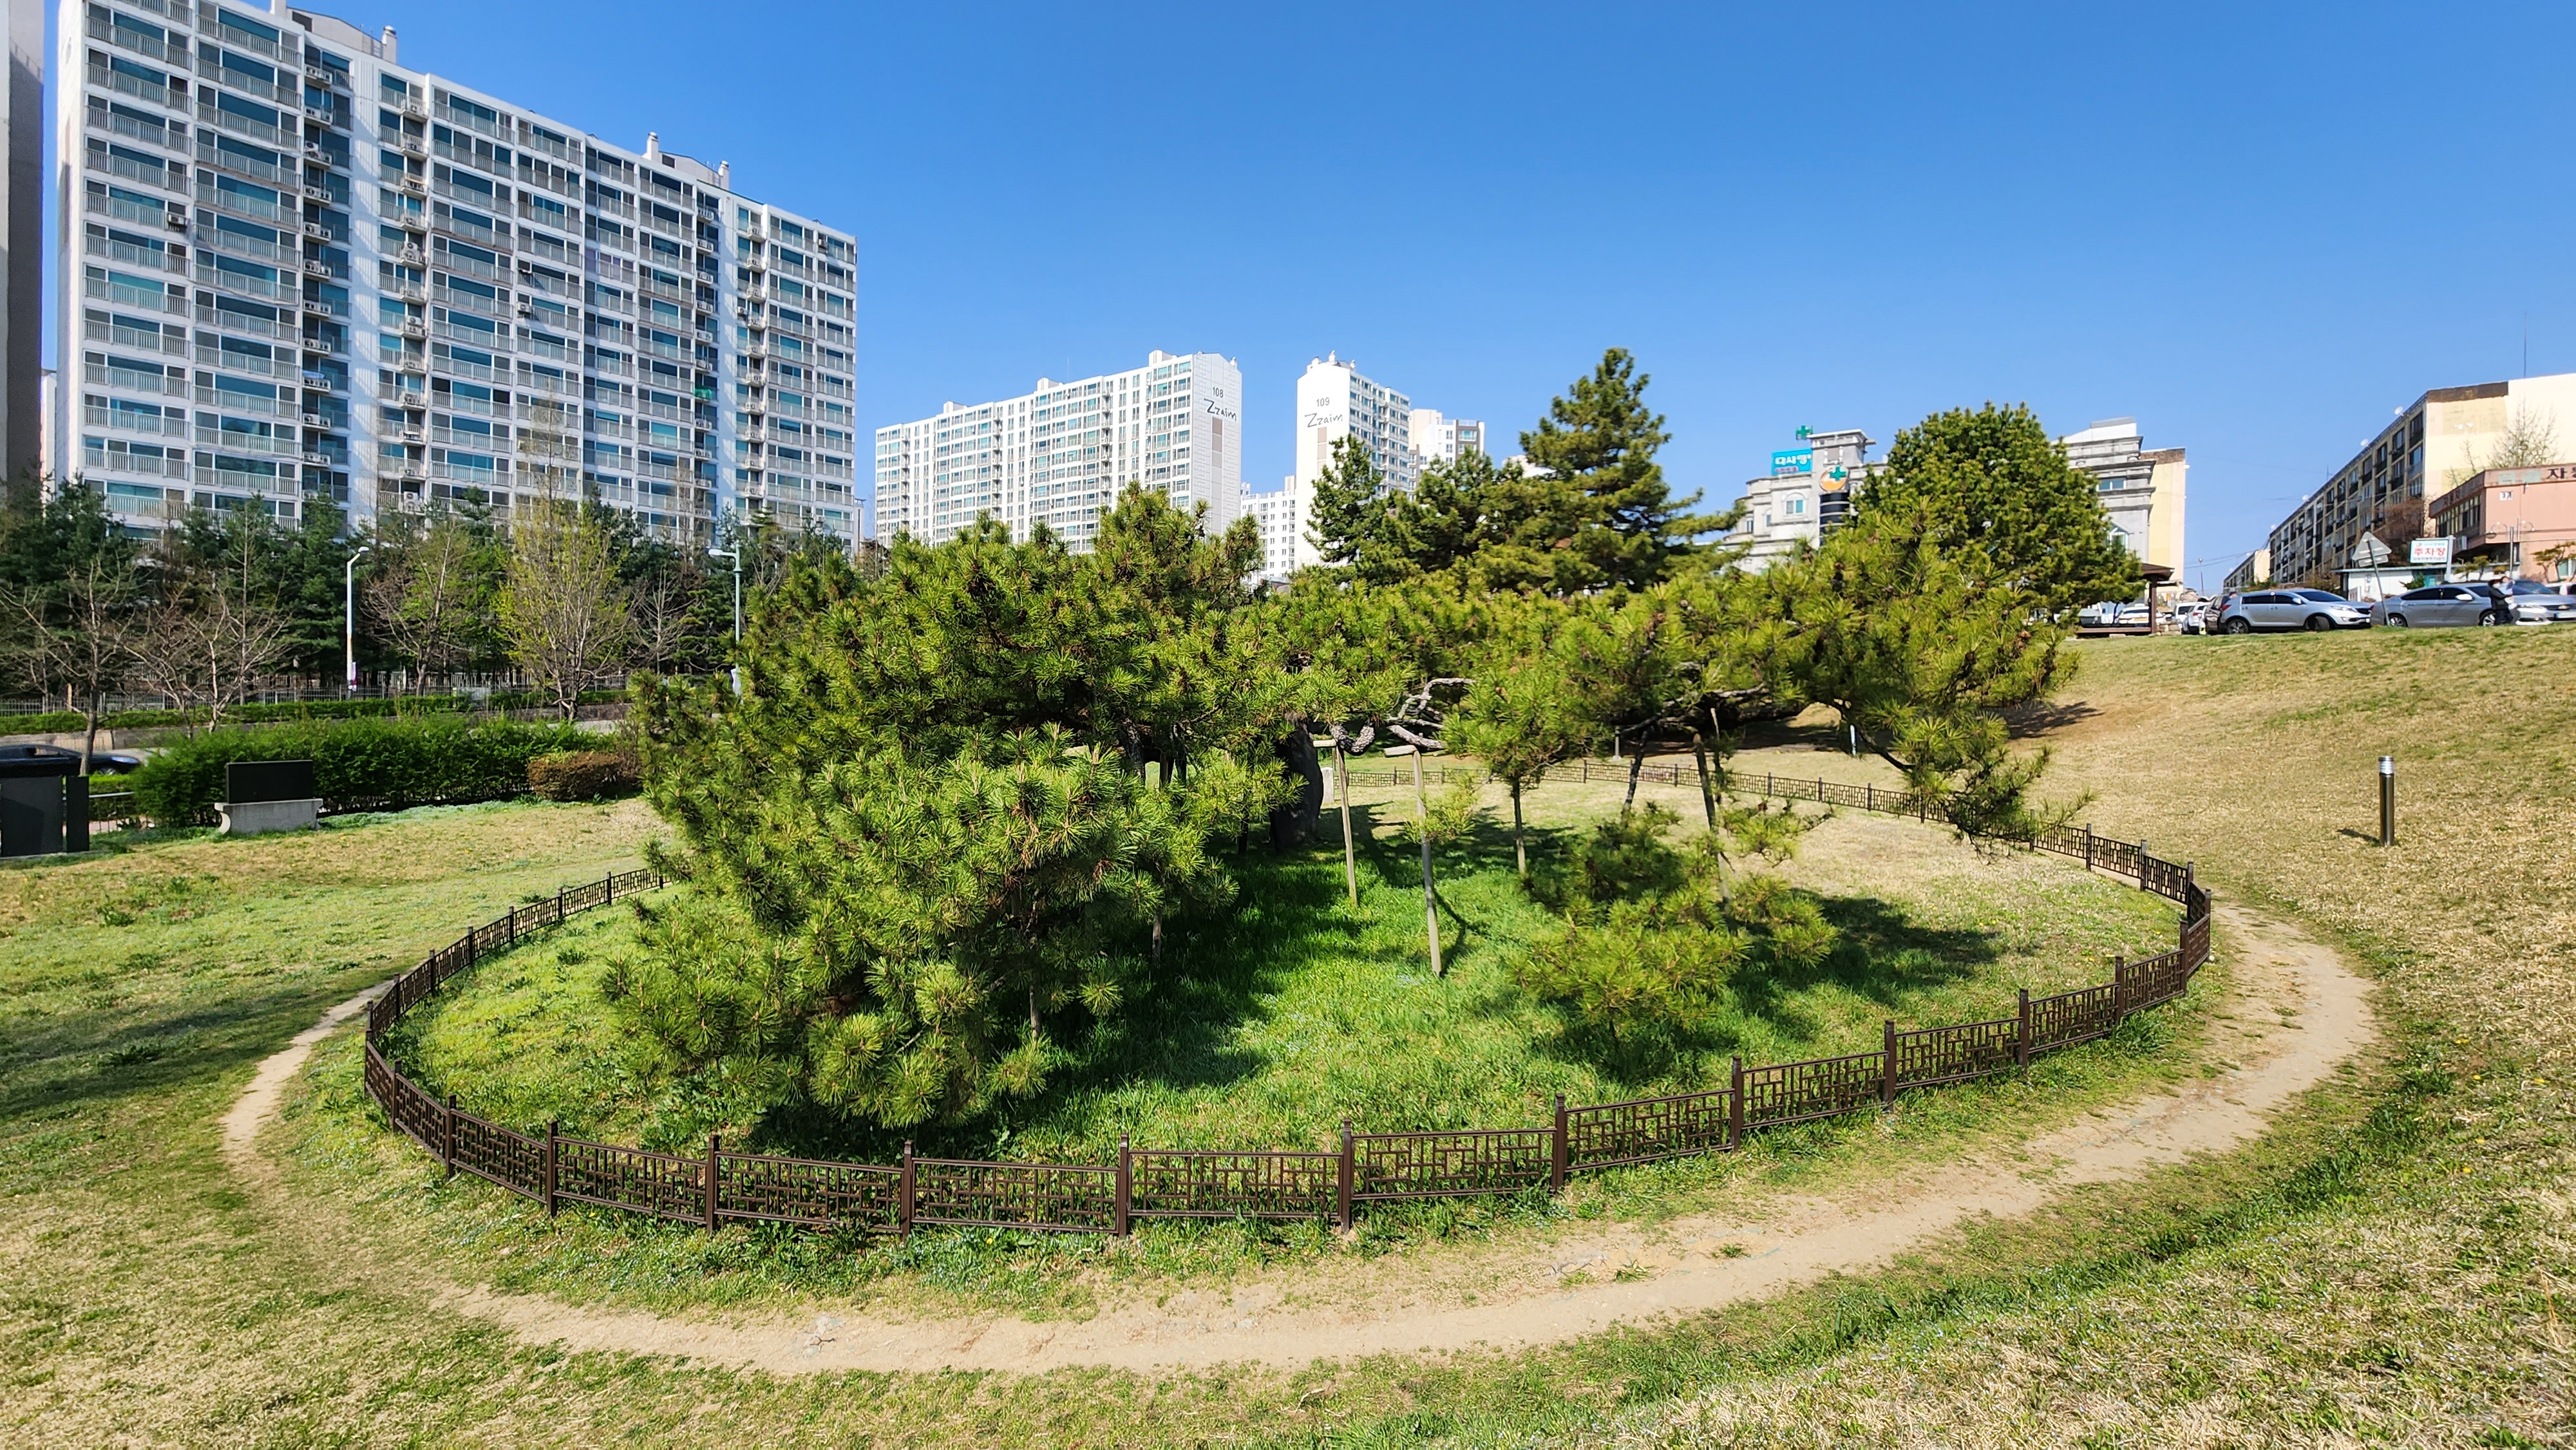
[2258, 229]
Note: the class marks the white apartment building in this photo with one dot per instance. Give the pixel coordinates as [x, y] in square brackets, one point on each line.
[1333, 402]
[23, 414]
[1809, 490]
[307, 271]
[1061, 454]
[1280, 513]
[1439, 439]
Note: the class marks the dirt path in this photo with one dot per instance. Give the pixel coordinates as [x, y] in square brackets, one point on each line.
[258, 1102]
[2296, 1015]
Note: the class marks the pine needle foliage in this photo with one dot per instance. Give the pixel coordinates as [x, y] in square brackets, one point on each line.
[944, 821]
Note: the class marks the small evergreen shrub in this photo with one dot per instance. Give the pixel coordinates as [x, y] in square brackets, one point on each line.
[583, 775]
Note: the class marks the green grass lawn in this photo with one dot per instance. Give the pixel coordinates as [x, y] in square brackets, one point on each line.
[2391, 1266]
[1292, 1012]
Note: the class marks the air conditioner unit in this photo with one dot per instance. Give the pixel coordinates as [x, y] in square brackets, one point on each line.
[315, 420]
[320, 75]
[317, 193]
[317, 231]
[178, 217]
[317, 115]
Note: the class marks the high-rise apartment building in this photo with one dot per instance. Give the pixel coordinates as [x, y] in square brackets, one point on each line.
[1280, 514]
[2446, 436]
[1334, 402]
[296, 269]
[22, 245]
[1061, 454]
[2141, 488]
[1440, 439]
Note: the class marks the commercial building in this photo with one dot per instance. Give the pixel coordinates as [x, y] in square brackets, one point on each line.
[2432, 445]
[2141, 488]
[2511, 523]
[1809, 490]
[1437, 438]
[296, 269]
[22, 245]
[1061, 454]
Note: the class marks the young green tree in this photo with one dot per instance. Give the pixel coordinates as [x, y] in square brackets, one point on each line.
[1522, 719]
[1601, 438]
[1356, 522]
[431, 590]
[560, 605]
[1992, 489]
[1922, 652]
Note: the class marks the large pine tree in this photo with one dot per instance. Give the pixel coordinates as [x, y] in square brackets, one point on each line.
[1992, 486]
[1602, 438]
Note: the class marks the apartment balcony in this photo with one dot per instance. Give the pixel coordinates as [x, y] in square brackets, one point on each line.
[208, 114]
[150, 92]
[248, 85]
[136, 382]
[210, 396]
[175, 53]
[172, 424]
[158, 299]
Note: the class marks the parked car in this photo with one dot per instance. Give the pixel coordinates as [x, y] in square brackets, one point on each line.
[2438, 606]
[2316, 610]
[2531, 602]
[2190, 617]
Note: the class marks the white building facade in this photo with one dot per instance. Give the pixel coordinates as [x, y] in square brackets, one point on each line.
[1809, 490]
[1334, 401]
[1438, 438]
[306, 271]
[1061, 454]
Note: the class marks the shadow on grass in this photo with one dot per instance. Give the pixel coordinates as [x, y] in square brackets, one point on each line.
[1883, 957]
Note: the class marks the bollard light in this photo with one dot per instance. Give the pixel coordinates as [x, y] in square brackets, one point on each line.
[2388, 800]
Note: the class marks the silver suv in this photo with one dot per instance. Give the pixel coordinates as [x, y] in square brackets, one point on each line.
[2310, 609]
[2438, 605]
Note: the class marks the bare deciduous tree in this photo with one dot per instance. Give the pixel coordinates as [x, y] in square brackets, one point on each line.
[79, 642]
[429, 595]
[565, 617]
[208, 642]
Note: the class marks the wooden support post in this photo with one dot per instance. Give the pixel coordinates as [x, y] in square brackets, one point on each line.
[447, 1136]
[2088, 845]
[1342, 1195]
[2119, 990]
[1735, 1109]
[2021, 1041]
[1350, 854]
[1887, 1078]
[1868, 796]
[1557, 1154]
[715, 1146]
[608, 890]
[1126, 1190]
[559, 904]
[903, 1193]
[2142, 865]
[554, 1129]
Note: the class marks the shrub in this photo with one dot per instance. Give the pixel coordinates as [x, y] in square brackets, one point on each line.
[363, 764]
[583, 775]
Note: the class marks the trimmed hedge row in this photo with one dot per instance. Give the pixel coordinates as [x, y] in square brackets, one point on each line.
[584, 775]
[362, 764]
[64, 722]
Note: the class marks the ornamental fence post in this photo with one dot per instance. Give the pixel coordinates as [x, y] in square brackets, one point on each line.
[903, 1193]
[2142, 865]
[608, 890]
[514, 926]
[553, 1128]
[1126, 1190]
[715, 1146]
[1735, 1109]
[447, 1136]
[2021, 1039]
[559, 901]
[1887, 1076]
[1556, 1161]
[2119, 990]
[2088, 845]
[1342, 1197]
[1868, 796]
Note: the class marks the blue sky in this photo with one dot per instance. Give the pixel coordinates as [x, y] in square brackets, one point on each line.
[2258, 229]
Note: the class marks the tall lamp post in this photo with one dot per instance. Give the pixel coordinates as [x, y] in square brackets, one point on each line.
[735, 554]
[349, 615]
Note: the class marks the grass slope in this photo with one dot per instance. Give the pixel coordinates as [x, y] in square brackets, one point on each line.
[2390, 1268]
[1295, 1012]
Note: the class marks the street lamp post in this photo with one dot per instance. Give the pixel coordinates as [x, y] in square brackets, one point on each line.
[349, 615]
[734, 554]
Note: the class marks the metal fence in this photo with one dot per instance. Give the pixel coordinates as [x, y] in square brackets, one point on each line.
[723, 1186]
